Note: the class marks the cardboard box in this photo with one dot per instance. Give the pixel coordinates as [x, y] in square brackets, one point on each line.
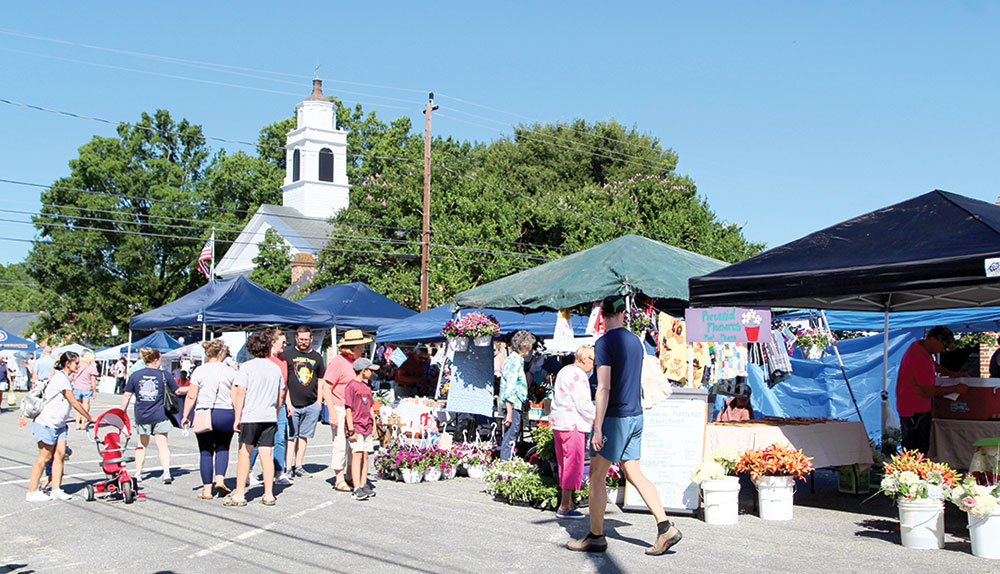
[980, 403]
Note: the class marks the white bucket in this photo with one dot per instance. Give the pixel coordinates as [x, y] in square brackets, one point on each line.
[484, 341]
[411, 476]
[721, 500]
[432, 474]
[775, 496]
[985, 535]
[475, 471]
[921, 523]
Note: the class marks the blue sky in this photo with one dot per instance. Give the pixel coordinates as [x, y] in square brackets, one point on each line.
[790, 116]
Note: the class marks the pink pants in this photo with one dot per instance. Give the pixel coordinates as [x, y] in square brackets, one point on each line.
[569, 456]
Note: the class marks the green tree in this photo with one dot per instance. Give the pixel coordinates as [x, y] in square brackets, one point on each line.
[272, 269]
[18, 290]
[121, 233]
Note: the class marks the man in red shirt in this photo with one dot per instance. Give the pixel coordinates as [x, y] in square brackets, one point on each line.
[411, 377]
[339, 373]
[359, 419]
[915, 387]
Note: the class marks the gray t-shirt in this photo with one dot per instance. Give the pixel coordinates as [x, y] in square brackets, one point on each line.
[213, 381]
[262, 380]
[43, 367]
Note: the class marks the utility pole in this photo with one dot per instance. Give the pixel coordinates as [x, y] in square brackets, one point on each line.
[426, 236]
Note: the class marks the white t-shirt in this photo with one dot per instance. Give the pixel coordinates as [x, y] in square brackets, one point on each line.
[57, 409]
[212, 378]
[262, 380]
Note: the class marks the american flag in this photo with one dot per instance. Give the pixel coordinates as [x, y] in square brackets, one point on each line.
[205, 260]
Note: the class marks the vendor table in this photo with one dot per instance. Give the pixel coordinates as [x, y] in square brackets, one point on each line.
[951, 439]
[833, 443]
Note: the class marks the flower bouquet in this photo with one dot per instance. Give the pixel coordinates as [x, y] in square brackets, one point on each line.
[717, 465]
[919, 488]
[774, 470]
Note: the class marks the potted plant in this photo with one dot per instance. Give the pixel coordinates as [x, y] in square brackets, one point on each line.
[545, 450]
[773, 470]
[433, 460]
[503, 479]
[481, 327]
[450, 459]
[637, 321]
[454, 331]
[720, 488]
[919, 487]
[813, 342]
[979, 496]
[476, 457]
[385, 462]
[410, 461]
[615, 483]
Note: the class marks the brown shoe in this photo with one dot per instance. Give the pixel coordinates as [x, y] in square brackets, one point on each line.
[589, 543]
[665, 541]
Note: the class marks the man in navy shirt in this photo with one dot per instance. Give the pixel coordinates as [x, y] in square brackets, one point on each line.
[617, 437]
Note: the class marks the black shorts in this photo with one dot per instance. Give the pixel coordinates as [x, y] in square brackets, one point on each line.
[258, 434]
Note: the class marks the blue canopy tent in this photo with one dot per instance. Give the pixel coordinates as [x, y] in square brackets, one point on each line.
[426, 326]
[11, 342]
[963, 320]
[158, 340]
[356, 306]
[231, 302]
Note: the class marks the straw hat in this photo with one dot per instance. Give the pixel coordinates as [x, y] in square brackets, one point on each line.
[355, 337]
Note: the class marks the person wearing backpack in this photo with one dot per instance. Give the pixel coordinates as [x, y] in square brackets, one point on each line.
[150, 385]
[49, 427]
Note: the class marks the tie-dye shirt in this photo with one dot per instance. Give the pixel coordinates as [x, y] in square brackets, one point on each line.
[572, 408]
[513, 384]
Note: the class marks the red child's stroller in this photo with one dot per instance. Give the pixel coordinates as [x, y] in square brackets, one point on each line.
[111, 433]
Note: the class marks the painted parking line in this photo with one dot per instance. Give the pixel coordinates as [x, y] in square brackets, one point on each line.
[256, 531]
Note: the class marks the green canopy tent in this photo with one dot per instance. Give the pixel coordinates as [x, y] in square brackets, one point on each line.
[625, 266]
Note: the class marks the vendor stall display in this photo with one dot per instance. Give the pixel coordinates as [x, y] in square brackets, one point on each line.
[919, 488]
[774, 470]
[979, 496]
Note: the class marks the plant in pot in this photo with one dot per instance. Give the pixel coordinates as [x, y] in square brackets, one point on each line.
[410, 461]
[919, 487]
[615, 483]
[545, 450]
[638, 321]
[476, 458]
[434, 459]
[385, 462]
[503, 478]
[719, 486]
[481, 327]
[813, 342]
[773, 470]
[979, 496]
[454, 331]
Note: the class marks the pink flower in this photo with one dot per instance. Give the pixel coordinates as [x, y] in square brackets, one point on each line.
[968, 503]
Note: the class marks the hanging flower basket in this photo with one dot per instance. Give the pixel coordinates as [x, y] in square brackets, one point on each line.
[483, 341]
[475, 325]
[460, 344]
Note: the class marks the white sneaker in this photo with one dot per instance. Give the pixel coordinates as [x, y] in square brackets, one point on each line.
[283, 480]
[167, 479]
[60, 494]
[252, 480]
[37, 496]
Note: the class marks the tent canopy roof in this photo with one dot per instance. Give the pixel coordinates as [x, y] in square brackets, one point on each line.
[356, 306]
[232, 302]
[626, 265]
[10, 341]
[929, 252]
[426, 326]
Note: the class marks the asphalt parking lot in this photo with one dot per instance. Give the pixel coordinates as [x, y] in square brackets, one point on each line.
[449, 526]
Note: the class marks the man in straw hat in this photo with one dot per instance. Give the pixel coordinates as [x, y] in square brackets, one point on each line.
[339, 373]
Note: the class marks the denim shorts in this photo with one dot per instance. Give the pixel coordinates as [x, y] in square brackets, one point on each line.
[623, 438]
[48, 435]
[303, 420]
[81, 395]
[162, 427]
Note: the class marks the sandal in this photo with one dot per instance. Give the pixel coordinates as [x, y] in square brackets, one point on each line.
[267, 501]
[230, 501]
[342, 487]
[204, 496]
[222, 489]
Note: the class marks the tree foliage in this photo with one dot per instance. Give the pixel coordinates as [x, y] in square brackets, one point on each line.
[547, 191]
[272, 269]
[18, 291]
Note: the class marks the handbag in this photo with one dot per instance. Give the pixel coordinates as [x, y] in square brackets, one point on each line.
[170, 406]
[202, 422]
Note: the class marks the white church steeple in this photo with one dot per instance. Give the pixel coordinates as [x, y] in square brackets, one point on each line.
[316, 159]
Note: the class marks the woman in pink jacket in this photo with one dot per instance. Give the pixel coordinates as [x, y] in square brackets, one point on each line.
[571, 419]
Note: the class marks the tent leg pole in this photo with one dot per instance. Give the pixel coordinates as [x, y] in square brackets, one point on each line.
[843, 371]
[885, 374]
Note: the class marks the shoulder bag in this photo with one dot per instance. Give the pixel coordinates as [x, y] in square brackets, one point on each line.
[203, 417]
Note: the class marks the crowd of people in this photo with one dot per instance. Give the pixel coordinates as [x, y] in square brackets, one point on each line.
[275, 401]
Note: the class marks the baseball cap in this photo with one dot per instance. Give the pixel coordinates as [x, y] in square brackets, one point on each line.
[613, 304]
[362, 364]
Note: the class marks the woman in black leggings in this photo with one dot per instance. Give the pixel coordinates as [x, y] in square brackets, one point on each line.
[210, 392]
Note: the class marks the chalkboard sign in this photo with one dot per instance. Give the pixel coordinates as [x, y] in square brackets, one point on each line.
[673, 441]
[470, 381]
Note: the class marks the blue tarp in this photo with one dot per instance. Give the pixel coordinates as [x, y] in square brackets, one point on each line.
[962, 320]
[159, 340]
[356, 306]
[230, 302]
[427, 326]
[817, 388]
[11, 342]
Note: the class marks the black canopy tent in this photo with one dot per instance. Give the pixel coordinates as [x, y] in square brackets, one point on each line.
[938, 250]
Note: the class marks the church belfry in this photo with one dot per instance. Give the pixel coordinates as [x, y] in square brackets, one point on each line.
[316, 159]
